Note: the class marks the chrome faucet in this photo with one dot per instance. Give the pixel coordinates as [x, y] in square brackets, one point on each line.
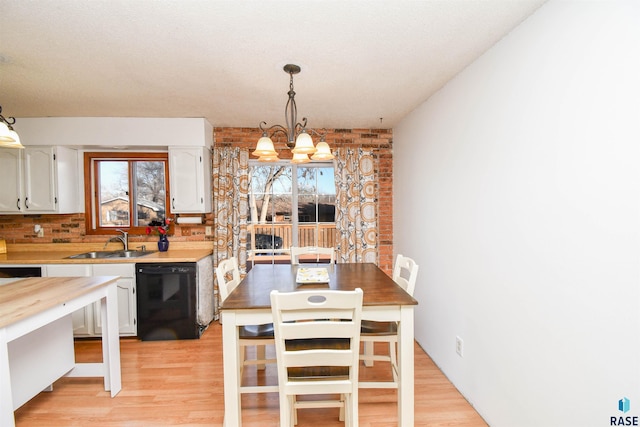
[124, 239]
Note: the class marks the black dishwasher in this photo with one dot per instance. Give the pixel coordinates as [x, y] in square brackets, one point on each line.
[166, 301]
[26, 271]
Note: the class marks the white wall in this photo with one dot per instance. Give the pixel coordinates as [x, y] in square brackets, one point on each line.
[109, 132]
[517, 190]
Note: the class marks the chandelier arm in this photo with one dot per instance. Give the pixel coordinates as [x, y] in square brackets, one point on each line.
[8, 120]
[273, 130]
[301, 126]
[320, 132]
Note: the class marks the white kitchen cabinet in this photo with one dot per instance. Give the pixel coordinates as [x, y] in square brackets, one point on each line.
[82, 319]
[126, 297]
[87, 321]
[11, 178]
[39, 179]
[190, 179]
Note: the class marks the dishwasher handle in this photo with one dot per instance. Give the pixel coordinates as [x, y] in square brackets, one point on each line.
[165, 269]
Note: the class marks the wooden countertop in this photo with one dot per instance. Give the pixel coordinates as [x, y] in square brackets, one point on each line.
[39, 256]
[26, 297]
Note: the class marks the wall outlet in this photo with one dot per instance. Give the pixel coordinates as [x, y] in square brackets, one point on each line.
[208, 231]
[459, 346]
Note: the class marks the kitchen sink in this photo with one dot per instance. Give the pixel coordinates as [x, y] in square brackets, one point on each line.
[110, 254]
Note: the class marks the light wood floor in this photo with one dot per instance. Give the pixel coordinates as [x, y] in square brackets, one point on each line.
[169, 383]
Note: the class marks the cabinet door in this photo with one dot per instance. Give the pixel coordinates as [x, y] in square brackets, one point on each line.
[39, 179]
[126, 309]
[126, 297]
[11, 179]
[190, 180]
[82, 319]
[68, 182]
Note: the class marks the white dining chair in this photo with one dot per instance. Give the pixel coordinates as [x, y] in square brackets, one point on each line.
[320, 254]
[317, 335]
[228, 276]
[405, 273]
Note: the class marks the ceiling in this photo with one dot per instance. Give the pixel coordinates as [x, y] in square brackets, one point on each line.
[365, 64]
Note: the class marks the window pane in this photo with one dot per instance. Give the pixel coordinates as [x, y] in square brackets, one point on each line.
[149, 192]
[113, 197]
[316, 206]
[307, 207]
[269, 211]
[326, 182]
[307, 183]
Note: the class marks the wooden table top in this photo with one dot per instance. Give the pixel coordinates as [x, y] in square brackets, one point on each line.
[378, 288]
[26, 297]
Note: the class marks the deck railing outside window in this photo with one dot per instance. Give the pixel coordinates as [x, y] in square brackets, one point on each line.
[269, 243]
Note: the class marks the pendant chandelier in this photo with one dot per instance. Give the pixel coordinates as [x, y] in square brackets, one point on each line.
[8, 137]
[298, 138]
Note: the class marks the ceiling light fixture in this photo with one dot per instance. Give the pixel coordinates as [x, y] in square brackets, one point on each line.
[8, 137]
[298, 138]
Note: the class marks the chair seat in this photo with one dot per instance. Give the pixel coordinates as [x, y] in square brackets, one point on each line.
[369, 327]
[256, 331]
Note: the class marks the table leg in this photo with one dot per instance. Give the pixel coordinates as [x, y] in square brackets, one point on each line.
[406, 374]
[111, 341]
[230, 360]
[368, 350]
[6, 396]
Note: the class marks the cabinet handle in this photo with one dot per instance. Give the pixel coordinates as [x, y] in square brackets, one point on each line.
[26, 202]
[173, 203]
[18, 204]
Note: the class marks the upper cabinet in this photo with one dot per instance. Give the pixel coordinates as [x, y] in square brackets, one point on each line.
[39, 180]
[190, 179]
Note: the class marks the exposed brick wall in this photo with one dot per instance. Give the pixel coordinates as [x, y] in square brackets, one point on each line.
[379, 140]
[70, 228]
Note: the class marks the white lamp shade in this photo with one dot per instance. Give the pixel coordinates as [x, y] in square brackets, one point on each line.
[300, 158]
[323, 152]
[265, 147]
[304, 144]
[5, 135]
[15, 144]
[268, 158]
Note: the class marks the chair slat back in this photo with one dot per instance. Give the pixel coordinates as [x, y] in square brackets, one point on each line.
[296, 251]
[324, 316]
[228, 275]
[405, 273]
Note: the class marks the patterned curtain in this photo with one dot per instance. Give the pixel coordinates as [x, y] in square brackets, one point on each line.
[357, 205]
[230, 204]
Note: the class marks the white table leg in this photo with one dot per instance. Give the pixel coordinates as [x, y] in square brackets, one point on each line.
[6, 397]
[111, 341]
[368, 350]
[406, 370]
[230, 360]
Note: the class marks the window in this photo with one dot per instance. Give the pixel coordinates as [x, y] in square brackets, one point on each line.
[285, 211]
[125, 191]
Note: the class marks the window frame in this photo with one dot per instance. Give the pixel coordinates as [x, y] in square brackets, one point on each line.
[294, 205]
[92, 213]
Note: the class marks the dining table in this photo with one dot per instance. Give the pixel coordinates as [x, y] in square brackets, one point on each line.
[383, 300]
